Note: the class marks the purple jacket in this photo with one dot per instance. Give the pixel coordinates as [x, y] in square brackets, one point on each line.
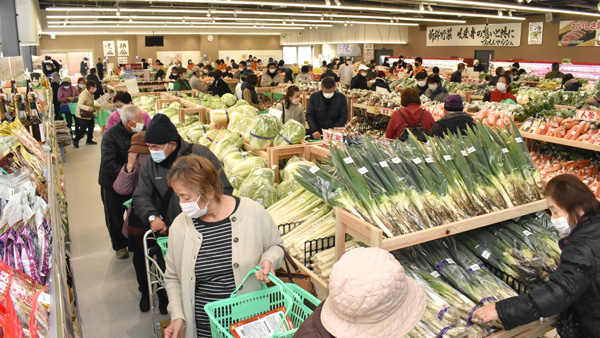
[64, 94]
[126, 183]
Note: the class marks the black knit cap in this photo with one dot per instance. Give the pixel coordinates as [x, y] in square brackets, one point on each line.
[161, 130]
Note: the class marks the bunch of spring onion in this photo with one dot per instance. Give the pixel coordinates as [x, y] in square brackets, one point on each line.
[324, 260]
[431, 327]
[317, 226]
[297, 207]
[406, 187]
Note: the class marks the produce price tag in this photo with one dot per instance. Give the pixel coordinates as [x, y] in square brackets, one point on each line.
[471, 150]
[417, 160]
[396, 160]
[314, 169]
[447, 157]
[435, 274]
[259, 200]
[302, 200]
[316, 209]
[290, 193]
[543, 126]
[348, 160]
[573, 132]
[464, 153]
[383, 164]
[486, 254]
[565, 97]
[473, 268]
[363, 170]
[428, 160]
[504, 150]
[519, 140]
[527, 233]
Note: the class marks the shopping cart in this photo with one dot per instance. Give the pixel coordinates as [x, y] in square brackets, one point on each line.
[299, 304]
[154, 272]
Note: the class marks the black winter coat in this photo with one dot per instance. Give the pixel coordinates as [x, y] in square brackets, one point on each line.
[451, 123]
[332, 74]
[359, 82]
[99, 91]
[380, 83]
[100, 70]
[456, 77]
[220, 87]
[153, 196]
[114, 150]
[576, 284]
[324, 114]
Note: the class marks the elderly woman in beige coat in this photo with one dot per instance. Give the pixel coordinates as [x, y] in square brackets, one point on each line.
[84, 118]
[213, 244]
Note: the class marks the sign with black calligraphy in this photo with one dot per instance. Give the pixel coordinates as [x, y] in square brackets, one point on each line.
[505, 35]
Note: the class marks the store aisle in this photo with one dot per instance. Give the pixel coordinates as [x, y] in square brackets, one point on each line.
[106, 286]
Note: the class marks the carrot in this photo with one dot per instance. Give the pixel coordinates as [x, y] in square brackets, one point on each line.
[587, 126]
[560, 132]
[558, 166]
[541, 130]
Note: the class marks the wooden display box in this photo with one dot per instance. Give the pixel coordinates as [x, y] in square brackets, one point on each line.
[274, 154]
[316, 151]
[321, 286]
[371, 235]
[160, 103]
[204, 114]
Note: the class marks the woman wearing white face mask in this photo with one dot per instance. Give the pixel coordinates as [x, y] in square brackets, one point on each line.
[122, 100]
[435, 91]
[212, 246]
[269, 77]
[575, 286]
[502, 91]
[360, 80]
[291, 107]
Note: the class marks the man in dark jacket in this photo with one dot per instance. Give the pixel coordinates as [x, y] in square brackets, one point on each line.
[114, 155]
[455, 119]
[100, 69]
[457, 75]
[570, 83]
[93, 77]
[380, 82]
[359, 81]
[330, 72]
[83, 67]
[326, 109]
[154, 200]
[219, 87]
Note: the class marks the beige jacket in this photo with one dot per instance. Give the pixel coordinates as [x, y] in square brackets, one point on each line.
[294, 112]
[267, 81]
[255, 238]
[86, 101]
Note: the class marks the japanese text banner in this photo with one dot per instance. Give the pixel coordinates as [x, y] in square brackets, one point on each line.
[506, 34]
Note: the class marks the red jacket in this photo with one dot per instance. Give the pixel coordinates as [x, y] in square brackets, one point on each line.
[497, 96]
[412, 114]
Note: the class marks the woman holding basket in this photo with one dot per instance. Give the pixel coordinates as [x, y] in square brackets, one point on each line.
[212, 246]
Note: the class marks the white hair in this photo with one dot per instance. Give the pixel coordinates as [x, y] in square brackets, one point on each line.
[130, 112]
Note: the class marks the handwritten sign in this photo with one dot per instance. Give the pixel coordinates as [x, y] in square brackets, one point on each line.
[505, 35]
[591, 115]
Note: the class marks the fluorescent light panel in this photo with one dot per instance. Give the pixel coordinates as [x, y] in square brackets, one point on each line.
[516, 7]
[154, 32]
[186, 27]
[180, 23]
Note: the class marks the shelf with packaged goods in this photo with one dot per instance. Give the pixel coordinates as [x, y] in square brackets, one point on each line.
[373, 110]
[556, 140]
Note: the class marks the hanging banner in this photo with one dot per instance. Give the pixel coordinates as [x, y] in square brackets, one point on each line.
[536, 33]
[505, 35]
[579, 34]
[109, 48]
[348, 49]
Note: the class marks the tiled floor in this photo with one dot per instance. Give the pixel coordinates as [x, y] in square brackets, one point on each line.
[106, 286]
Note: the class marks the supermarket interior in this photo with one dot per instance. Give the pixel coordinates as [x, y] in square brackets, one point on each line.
[311, 168]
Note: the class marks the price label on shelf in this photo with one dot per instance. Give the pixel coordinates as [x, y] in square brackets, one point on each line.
[428, 160]
[486, 254]
[383, 164]
[363, 170]
[471, 150]
[417, 160]
[588, 115]
[314, 169]
[396, 160]
[447, 158]
[519, 140]
[348, 160]
[504, 150]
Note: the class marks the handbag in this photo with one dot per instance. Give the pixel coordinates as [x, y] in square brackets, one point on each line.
[292, 274]
[86, 114]
[567, 325]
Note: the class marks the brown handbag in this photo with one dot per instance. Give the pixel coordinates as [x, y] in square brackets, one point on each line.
[292, 274]
[86, 114]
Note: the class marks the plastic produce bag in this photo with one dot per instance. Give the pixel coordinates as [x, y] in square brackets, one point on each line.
[228, 99]
[292, 166]
[259, 187]
[219, 116]
[244, 168]
[288, 187]
[209, 137]
[234, 158]
[293, 132]
[264, 132]
[235, 181]
[226, 145]
[220, 136]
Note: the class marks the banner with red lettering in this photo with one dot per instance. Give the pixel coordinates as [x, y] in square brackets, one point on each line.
[579, 34]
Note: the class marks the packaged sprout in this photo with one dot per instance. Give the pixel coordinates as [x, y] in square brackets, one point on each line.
[264, 132]
[293, 132]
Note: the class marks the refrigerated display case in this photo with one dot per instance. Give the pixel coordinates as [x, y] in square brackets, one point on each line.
[588, 71]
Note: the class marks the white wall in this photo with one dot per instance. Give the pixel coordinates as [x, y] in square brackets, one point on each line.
[264, 55]
[348, 34]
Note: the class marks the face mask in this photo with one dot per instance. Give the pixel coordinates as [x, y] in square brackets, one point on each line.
[272, 71]
[363, 74]
[328, 95]
[562, 226]
[67, 86]
[80, 86]
[417, 65]
[192, 210]
[296, 101]
[421, 83]
[348, 63]
[501, 86]
[138, 128]
[158, 155]
[433, 88]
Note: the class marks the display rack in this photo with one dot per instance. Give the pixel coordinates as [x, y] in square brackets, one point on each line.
[273, 154]
[556, 140]
[588, 71]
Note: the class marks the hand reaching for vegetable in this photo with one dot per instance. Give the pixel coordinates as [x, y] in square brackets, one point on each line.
[175, 329]
[487, 313]
[316, 135]
[266, 267]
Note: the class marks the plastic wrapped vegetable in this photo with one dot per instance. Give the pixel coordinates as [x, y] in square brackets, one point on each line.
[235, 181]
[259, 186]
[209, 137]
[195, 133]
[219, 117]
[264, 132]
[228, 99]
[244, 168]
[293, 132]
[234, 158]
[220, 136]
[291, 167]
[226, 145]
[218, 105]
[242, 103]
[286, 188]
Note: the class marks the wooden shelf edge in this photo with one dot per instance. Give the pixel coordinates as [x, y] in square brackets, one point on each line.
[320, 285]
[556, 140]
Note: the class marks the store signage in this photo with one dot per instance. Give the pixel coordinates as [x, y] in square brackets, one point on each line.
[505, 35]
[579, 34]
[348, 49]
[591, 115]
[536, 33]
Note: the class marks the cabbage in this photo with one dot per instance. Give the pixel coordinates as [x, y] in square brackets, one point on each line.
[190, 119]
[265, 195]
[259, 187]
[236, 181]
[230, 142]
[209, 137]
[175, 119]
[264, 132]
[289, 172]
[286, 188]
[249, 127]
[293, 132]
[228, 99]
[220, 136]
[242, 103]
[244, 110]
[245, 167]
[170, 112]
[218, 105]
[234, 158]
[195, 133]
[175, 105]
[219, 117]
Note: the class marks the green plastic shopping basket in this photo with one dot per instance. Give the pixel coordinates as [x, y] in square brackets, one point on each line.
[162, 243]
[299, 304]
[101, 117]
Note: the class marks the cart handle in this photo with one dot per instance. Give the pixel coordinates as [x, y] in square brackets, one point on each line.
[273, 279]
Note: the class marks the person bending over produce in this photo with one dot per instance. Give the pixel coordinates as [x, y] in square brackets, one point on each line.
[219, 87]
[574, 288]
[382, 312]
[555, 73]
[570, 83]
[593, 101]
[270, 78]
[327, 108]
[236, 234]
[455, 119]
[291, 107]
[411, 115]
[435, 91]
[249, 93]
[502, 91]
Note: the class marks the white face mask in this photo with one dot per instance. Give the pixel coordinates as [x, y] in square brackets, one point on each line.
[501, 86]
[562, 226]
[192, 210]
[80, 85]
[296, 101]
[272, 71]
[67, 86]
[328, 95]
[363, 73]
[433, 88]
[421, 83]
[138, 128]
[158, 155]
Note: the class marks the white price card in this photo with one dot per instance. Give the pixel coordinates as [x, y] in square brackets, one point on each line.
[396, 160]
[316, 209]
[471, 150]
[486, 254]
[527, 233]
[504, 150]
[450, 261]
[519, 140]
[290, 193]
[447, 158]
[428, 160]
[383, 164]
[314, 169]
[474, 267]
[435, 274]
[302, 200]
[464, 153]
[348, 160]
[417, 160]
[363, 170]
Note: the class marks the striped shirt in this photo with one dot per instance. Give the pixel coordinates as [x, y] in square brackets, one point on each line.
[214, 272]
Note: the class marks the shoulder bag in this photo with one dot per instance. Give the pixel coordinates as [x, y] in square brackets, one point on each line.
[292, 274]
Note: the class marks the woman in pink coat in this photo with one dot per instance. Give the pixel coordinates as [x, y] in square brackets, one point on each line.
[66, 94]
[121, 100]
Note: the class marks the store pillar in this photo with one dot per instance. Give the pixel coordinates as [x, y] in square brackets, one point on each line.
[9, 32]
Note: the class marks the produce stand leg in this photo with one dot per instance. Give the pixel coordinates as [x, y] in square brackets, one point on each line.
[340, 236]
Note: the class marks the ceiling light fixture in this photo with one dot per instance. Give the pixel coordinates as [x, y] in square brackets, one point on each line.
[327, 3]
[338, 3]
[500, 13]
[422, 8]
[430, 8]
[118, 12]
[346, 23]
[184, 27]
[510, 13]
[520, 1]
[517, 7]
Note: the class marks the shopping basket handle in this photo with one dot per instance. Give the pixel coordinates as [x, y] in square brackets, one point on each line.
[271, 276]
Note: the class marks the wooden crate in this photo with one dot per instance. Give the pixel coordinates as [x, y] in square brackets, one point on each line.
[273, 154]
[204, 114]
[316, 152]
[373, 236]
